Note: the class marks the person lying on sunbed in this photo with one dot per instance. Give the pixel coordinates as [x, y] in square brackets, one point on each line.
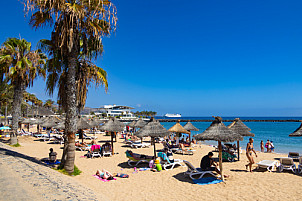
[139, 156]
[104, 174]
[78, 144]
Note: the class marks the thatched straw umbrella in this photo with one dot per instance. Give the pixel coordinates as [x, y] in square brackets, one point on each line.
[152, 129]
[132, 124]
[239, 127]
[28, 121]
[297, 132]
[189, 127]
[219, 132]
[178, 129]
[82, 124]
[112, 126]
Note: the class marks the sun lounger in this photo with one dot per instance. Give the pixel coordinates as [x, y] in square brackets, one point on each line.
[107, 151]
[294, 155]
[82, 148]
[192, 171]
[184, 151]
[287, 164]
[137, 158]
[269, 165]
[86, 137]
[165, 162]
[300, 166]
[95, 152]
[140, 145]
[59, 139]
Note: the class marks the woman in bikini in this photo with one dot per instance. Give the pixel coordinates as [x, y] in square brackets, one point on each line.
[249, 152]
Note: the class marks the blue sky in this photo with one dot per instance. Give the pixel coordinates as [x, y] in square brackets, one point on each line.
[197, 58]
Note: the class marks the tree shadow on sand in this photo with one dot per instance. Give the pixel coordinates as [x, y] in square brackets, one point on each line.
[125, 165]
[6, 152]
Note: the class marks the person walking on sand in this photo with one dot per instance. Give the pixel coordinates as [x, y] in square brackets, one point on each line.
[249, 152]
[262, 146]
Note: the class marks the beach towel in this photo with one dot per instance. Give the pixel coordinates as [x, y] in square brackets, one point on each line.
[55, 163]
[207, 180]
[104, 180]
[121, 175]
[96, 146]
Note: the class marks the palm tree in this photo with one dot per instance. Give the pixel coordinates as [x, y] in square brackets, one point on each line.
[48, 103]
[21, 66]
[75, 21]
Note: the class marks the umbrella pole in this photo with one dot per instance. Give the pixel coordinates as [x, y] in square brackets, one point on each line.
[220, 159]
[190, 136]
[154, 148]
[238, 150]
[112, 143]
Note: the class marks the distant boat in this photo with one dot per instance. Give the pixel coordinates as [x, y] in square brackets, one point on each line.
[173, 115]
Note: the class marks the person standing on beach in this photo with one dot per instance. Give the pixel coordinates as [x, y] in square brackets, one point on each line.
[249, 152]
[262, 146]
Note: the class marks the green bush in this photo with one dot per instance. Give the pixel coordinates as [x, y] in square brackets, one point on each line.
[16, 145]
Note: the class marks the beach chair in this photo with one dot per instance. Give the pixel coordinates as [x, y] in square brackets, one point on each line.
[171, 147]
[86, 137]
[294, 155]
[165, 162]
[287, 164]
[137, 158]
[59, 139]
[96, 152]
[192, 171]
[140, 145]
[107, 151]
[300, 166]
[269, 165]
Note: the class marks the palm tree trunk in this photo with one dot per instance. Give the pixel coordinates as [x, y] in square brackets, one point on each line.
[16, 111]
[71, 111]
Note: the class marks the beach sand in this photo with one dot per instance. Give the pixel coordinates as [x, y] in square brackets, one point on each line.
[173, 184]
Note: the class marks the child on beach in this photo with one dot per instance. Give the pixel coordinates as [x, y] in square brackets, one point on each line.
[272, 146]
[52, 156]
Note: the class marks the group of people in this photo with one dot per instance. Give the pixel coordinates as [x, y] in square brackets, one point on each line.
[269, 145]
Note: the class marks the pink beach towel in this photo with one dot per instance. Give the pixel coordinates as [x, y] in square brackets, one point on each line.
[96, 146]
[104, 180]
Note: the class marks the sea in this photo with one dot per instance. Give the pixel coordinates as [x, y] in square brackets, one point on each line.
[274, 131]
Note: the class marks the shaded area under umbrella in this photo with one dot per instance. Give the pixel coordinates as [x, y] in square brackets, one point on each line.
[153, 129]
[219, 132]
[239, 127]
[112, 126]
[190, 127]
[297, 132]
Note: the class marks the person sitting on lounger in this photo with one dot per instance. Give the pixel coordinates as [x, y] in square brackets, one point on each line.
[169, 154]
[208, 164]
[52, 156]
[104, 174]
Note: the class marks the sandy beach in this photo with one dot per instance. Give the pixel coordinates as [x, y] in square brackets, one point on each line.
[173, 184]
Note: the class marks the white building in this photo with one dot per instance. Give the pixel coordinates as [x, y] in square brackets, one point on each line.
[124, 112]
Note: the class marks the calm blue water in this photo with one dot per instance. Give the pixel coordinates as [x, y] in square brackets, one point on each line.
[274, 131]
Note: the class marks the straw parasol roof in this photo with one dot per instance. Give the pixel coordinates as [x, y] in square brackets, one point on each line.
[48, 124]
[190, 127]
[82, 124]
[113, 125]
[60, 126]
[219, 132]
[297, 132]
[94, 122]
[239, 127]
[140, 123]
[177, 128]
[152, 129]
[132, 124]
[28, 121]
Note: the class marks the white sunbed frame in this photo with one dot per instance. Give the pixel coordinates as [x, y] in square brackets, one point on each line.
[192, 171]
[269, 165]
[140, 145]
[299, 171]
[166, 163]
